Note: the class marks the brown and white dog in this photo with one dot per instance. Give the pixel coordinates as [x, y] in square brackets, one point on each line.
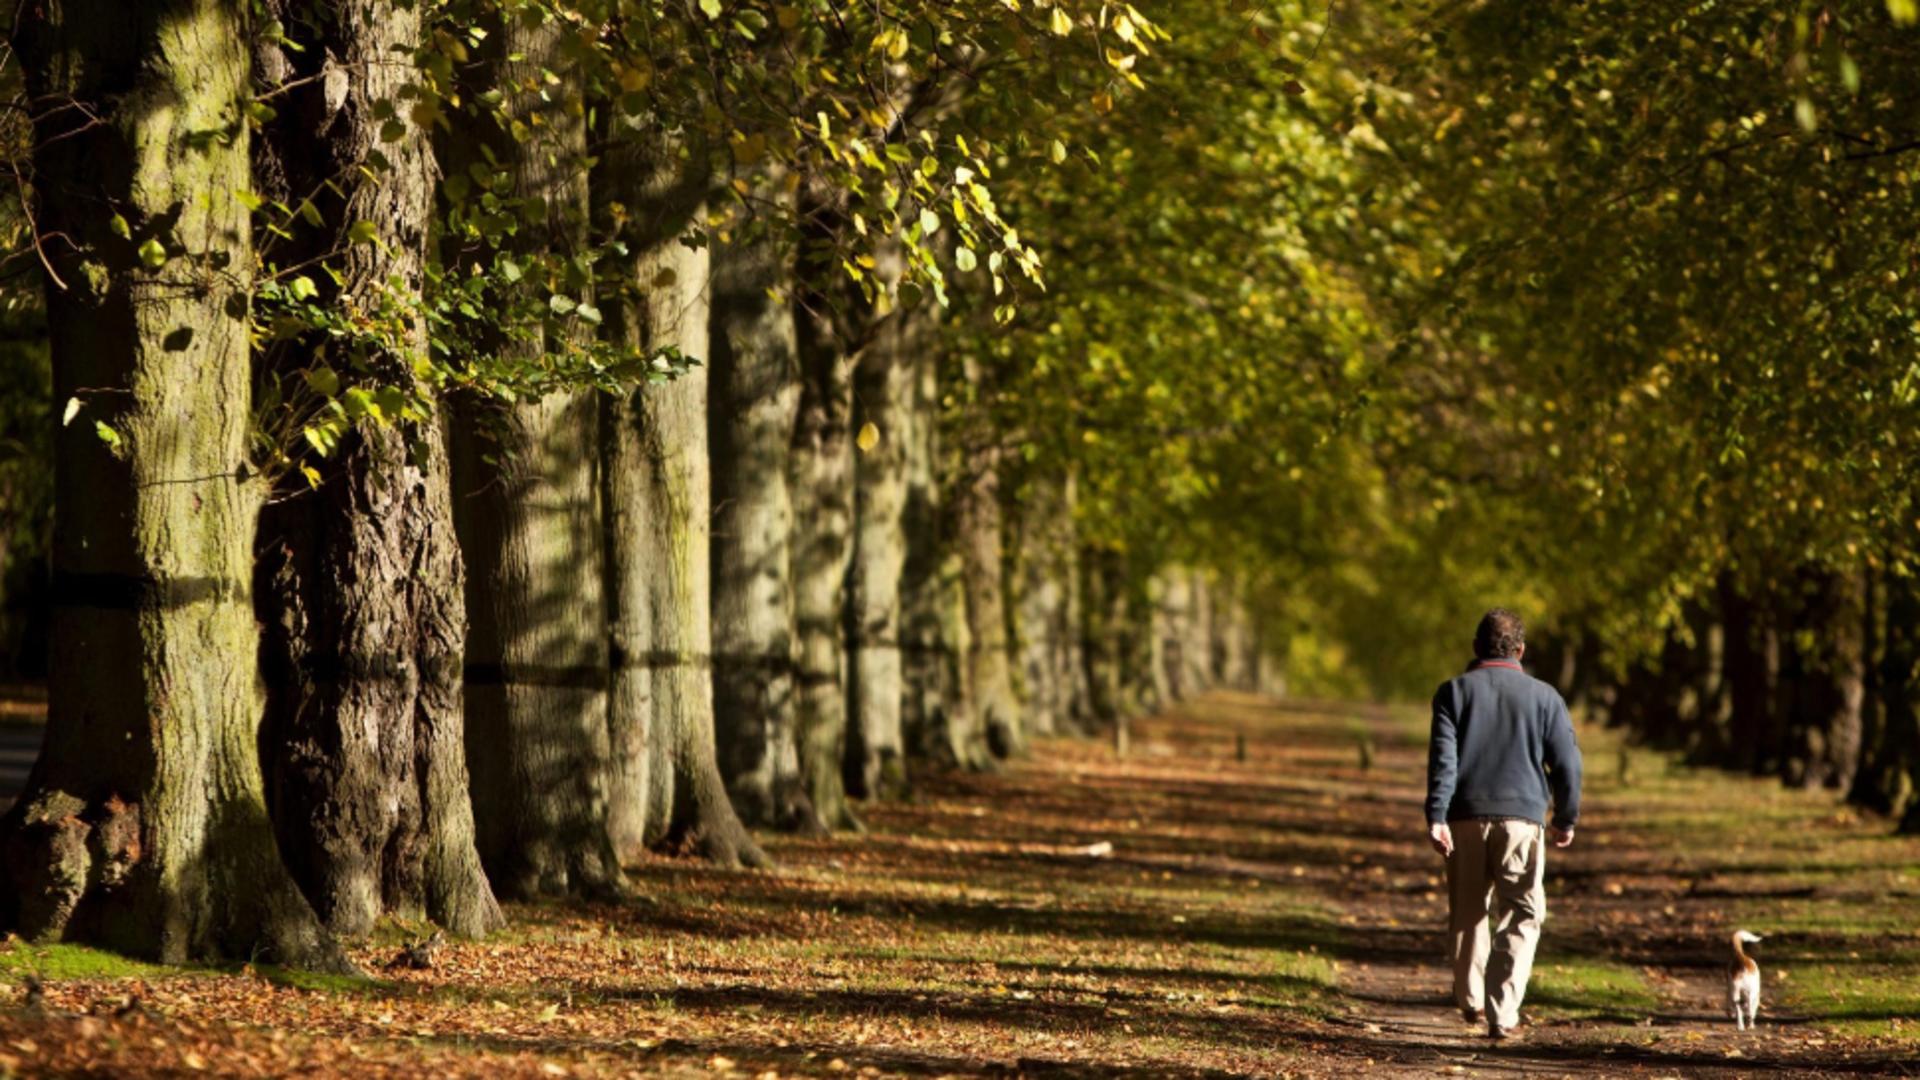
[1743, 981]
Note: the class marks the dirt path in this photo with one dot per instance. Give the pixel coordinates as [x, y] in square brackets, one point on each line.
[1246, 894]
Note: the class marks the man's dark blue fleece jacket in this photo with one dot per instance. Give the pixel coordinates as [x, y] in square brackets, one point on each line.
[1502, 748]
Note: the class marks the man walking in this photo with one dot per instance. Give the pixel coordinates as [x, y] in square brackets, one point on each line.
[1502, 755]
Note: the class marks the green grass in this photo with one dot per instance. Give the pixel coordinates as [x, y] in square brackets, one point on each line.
[321, 982]
[54, 962]
[1587, 989]
[1879, 999]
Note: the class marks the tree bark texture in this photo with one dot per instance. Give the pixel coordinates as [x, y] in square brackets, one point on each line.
[989, 655]
[937, 712]
[1832, 668]
[884, 397]
[144, 826]
[658, 502]
[822, 474]
[754, 394]
[528, 510]
[1051, 667]
[360, 583]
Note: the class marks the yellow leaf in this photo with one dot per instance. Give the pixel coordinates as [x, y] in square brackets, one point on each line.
[868, 438]
[1061, 24]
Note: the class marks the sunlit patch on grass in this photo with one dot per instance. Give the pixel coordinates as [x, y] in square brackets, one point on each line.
[60, 961]
[1570, 988]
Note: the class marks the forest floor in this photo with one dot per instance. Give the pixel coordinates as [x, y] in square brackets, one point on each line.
[1268, 907]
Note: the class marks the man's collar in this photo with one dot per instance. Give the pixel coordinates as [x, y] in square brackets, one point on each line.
[1502, 662]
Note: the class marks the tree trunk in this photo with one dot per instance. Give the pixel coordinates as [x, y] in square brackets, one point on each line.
[937, 713]
[1753, 667]
[822, 472]
[359, 584]
[1832, 673]
[883, 397]
[754, 394]
[144, 827]
[1159, 687]
[666, 777]
[1051, 668]
[527, 506]
[1108, 647]
[1196, 638]
[989, 659]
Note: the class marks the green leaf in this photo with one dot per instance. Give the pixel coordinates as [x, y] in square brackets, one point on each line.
[1904, 12]
[965, 259]
[362, 232]
[323, 381]
[562, 304]
[1058, 151]
[929, 221]
[152, 253]
[711, 8]
[1060, 23]
[303, 288]
[120, 227]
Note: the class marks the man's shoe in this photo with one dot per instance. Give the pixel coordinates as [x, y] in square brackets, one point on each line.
[1505, 1034]
[1471, 1016]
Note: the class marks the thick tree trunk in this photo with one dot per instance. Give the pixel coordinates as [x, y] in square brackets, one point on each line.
[1051, 669]
[528, 510]
[753, 397]
[1116, 642]
[1753, 668]
[144, 827]
[1197, 635]
[989, 658]
[1234, 662]
[658, 502]
[883, 397]
[1831, 683]
[360, 584]
[1158, 684]
[937, 713]
[822, 472]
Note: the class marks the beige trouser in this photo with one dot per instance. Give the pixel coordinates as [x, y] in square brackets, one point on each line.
[1498, 869]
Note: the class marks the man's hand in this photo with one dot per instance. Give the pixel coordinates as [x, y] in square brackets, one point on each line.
[1441, 837]
[1561, 837]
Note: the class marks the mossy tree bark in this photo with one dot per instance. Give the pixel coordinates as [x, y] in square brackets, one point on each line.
[822, 479]
[144, 827]
[526, 502]
[657, 492]
[883, 396]
[360, 583]
[753, 397]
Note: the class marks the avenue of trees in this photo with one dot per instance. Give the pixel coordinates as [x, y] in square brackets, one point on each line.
[451, 450]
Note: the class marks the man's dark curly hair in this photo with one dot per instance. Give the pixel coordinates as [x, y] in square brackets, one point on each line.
[1500, 635]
